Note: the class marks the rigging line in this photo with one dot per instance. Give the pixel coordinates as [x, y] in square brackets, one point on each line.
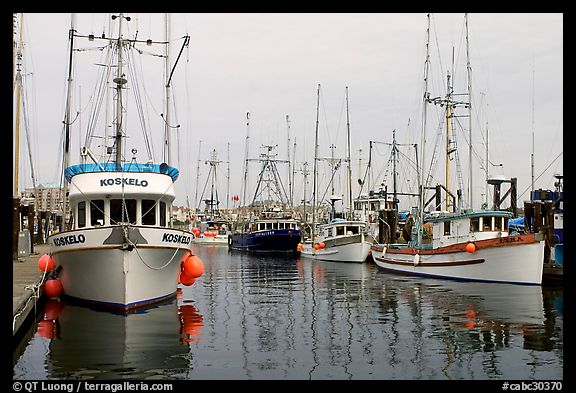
[27, 131]
[146, 263]
[175, 112]
[99, 94]
[542, 173]
[137, 96]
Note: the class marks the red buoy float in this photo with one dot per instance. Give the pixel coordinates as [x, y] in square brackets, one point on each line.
[53, 288]
[322, 245]
[186, 280]
[193, 266]
[46, 263]
[471, 248]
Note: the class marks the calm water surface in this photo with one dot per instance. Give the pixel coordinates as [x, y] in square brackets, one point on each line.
[251, 317]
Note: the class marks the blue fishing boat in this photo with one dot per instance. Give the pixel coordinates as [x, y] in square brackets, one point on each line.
[556, 199]
[269, 226]
[272, 232]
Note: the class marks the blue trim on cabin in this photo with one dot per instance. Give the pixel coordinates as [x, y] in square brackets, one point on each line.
[165, 169]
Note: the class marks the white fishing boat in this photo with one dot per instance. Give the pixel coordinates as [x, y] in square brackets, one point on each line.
[211, 232]
[210, 227]
[467, 246]
[119, 250]
[341, 239]
[460, 243]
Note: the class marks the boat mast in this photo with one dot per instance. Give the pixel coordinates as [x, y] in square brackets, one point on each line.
[469, 69]
[18, 81]
[244, 185]
[449, 150]
[67, 122]
[291, 202]
[119, 80]
[315, 171]
[532, 155]
[426, 97]
[348, 158]
[228, 175]
[197, 174]
[167, 90]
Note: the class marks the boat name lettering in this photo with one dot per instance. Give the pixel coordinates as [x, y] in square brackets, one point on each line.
[129, 181]
[70, 239]
[510, 239]
[172, 238]
[266, 233]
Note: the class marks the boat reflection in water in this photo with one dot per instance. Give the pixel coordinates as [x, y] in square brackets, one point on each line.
[262, 317]
[441, 329]
[87, 343]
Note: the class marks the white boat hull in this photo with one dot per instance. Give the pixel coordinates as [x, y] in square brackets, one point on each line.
[515, 259]
[219, 240]
[99, 266]
[352, 252]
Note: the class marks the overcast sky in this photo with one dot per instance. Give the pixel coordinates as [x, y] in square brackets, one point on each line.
[270, 65]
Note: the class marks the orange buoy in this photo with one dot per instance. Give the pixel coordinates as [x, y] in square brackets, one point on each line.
[46, 263]
[186, 280]
[299, 247]
[53, 288]
[316, 246]
[470, 247]
[322, 245]
[193, 266]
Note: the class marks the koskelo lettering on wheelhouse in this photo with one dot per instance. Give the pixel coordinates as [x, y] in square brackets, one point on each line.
[125, 181]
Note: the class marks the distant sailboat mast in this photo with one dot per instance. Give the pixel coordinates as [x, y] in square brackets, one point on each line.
[469, 69]
[348, 159]
[426, 97]
[315, 170]
[18, 81]
[67, 122]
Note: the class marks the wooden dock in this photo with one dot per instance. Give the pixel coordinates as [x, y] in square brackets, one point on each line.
[26, 289]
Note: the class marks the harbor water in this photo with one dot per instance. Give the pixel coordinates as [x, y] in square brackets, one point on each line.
[262, 317]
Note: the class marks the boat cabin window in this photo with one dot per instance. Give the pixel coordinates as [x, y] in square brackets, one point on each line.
[505, 227]
[340, 231]
[352, 230]
[162, 214]
[486, 223]
[446, 227]
[329, 231]
[268, 225]
[498, 223]
[81, 214]
[474, 224]
[148, 212]
[97, 212]
[122, 212]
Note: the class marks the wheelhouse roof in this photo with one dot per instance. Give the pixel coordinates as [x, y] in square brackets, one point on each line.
[165, 169]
